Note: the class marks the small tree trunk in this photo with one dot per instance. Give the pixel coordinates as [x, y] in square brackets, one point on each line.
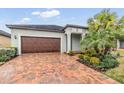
[107, 50]
[97, 51]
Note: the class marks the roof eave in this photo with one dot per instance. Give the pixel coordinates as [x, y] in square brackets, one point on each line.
[14, 27]
[3, 33]
[74, 26]
[6, 35]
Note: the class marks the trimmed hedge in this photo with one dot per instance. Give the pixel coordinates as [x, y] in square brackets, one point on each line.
[7, 53]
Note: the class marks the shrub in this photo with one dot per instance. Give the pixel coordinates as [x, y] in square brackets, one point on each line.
[108, 62]
[86, 58]
[7, 53]
[118, 54]
[71, 53]
[11, 52]
[91, 52]
[81, 56]
[4, 58]
[100, 63]
[94, 60]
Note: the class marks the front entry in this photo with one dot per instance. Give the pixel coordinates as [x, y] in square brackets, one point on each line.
[75, 42]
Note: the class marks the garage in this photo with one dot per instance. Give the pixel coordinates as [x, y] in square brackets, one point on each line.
[39, 44]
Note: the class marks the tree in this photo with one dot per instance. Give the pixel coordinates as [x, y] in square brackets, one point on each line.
[103, 30]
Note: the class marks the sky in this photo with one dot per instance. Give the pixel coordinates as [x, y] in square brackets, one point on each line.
[56, 16]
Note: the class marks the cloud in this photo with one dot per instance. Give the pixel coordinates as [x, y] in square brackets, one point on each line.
[72, 18]
[47, 14]
[36, 13]
[50, 13]
[25, 19]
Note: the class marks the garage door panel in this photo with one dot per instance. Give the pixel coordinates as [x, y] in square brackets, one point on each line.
[40, 44]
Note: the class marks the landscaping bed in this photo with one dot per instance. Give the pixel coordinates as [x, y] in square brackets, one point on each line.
[100, 63]
[116, 72]
[7, 54]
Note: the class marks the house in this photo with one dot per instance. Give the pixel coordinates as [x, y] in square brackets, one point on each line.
[47, 38]
[5, 39]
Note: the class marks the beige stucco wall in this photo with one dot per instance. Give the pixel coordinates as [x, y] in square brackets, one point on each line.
[5, 41]
[19, 32]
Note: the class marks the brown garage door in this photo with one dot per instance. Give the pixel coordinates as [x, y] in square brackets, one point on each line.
[39, 44]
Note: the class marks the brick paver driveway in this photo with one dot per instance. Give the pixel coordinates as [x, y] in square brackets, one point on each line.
[49, 68]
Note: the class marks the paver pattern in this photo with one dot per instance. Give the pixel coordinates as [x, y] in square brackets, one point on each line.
[49, 68]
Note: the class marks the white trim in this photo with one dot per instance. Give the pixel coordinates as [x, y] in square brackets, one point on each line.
[61, 44]
[68, 42]
[19, 44]
[118, 44]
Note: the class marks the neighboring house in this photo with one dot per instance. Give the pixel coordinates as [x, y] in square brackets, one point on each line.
[47, 38]
[5, 39]
[120, 44]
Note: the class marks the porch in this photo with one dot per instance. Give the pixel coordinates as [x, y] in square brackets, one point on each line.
[73, 41]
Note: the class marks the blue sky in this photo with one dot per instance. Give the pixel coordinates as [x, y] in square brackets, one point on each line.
[60, 16]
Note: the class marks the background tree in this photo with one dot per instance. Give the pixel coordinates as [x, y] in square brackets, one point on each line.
[103, 30]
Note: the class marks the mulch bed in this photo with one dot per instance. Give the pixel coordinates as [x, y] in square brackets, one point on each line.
[1, 63]
[91, 66]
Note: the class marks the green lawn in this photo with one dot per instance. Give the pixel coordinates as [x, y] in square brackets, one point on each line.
[118, 72]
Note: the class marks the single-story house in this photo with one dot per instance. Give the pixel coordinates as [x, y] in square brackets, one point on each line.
[47, 38]
[5, 39]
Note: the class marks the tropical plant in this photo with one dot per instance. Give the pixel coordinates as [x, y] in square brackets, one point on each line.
[81, 56]
[108, 62]
[71, 53]
[118, 54]
[86, 58]
[103, 30]
[91, 52]
[95, 60]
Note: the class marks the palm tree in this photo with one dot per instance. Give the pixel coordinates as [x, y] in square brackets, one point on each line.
[104, 29]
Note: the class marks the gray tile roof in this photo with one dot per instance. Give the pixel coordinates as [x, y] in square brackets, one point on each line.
[4, 33]
[54, 28]
[76, 26]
